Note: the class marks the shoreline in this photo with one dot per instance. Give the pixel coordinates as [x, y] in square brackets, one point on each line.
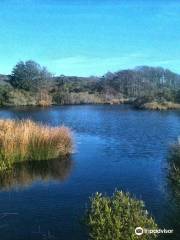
[153, 106]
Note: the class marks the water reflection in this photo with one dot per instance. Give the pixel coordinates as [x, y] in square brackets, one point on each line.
[117, 147]
[25, 173]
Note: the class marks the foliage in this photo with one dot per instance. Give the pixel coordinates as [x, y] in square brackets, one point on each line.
[142, 81]
[77, 98]
[174, 162]
[27, 140]
[177, 96]
[143, 85]
[29, 76]
[44, 99]
[155, 105]
[4, 97]
[19, 97]
[117, 217]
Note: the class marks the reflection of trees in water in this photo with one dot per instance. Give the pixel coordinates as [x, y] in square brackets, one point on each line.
[23, 174]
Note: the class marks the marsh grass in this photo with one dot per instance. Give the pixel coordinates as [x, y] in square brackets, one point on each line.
[160, 106]
[27, 140]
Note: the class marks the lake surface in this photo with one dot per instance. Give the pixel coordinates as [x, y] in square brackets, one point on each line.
[115, 147]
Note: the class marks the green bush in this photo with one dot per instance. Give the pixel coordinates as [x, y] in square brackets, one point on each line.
[116, 217]
[4, 91]
[174, 163]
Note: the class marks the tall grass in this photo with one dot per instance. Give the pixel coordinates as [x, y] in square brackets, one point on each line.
[27, 140]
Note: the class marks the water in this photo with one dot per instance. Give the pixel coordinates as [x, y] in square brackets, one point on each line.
[115, 147]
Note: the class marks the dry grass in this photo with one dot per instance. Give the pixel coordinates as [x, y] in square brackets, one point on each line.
[161, 106]
[44, 103]
[44, 99]
[27, 140]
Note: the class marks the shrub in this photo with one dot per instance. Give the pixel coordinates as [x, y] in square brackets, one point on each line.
[174, 163]
[19, 97]
[44, 99]
[4, 96]
[27, 140]
[117, 217]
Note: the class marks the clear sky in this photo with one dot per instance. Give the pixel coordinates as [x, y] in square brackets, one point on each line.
[81, 37]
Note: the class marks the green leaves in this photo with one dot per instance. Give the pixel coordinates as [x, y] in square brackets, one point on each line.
[29, 76]
[116, 217]
[174, 168]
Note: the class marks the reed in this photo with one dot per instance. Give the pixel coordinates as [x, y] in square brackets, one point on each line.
[27, 140]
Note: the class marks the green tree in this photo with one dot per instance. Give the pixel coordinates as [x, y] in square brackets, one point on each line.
[174, 165]
[116, 217]
[4, 94]
[177, 96]
[29, 76]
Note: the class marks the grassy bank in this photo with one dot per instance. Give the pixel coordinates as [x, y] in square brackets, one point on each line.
[160, 105]
[27, 140]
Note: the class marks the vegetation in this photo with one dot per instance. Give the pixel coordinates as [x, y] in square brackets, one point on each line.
[174, 163]
[29, 76]
[27, 140]
[117, 217]
[156, 105]
[145, 87]
[4, 94]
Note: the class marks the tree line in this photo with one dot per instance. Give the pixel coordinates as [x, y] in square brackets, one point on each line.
[30, 80]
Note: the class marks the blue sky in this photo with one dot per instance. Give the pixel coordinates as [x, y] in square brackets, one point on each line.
[76, 37]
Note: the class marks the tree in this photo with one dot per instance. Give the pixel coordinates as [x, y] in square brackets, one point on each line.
[117, 217]
[177, 96]
[29, 76]
[4, 94]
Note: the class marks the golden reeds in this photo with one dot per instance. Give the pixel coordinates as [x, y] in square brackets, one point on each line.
[27, 140]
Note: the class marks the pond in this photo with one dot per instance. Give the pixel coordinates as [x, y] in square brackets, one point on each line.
[115, 147]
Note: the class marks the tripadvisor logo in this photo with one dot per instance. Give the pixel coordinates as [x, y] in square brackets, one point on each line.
[139, 231]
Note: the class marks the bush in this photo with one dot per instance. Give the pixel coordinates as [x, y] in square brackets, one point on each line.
[27, 140]
[19, 97]
[44, 99]
[4, 94]
[174, 163]
[117, 217]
